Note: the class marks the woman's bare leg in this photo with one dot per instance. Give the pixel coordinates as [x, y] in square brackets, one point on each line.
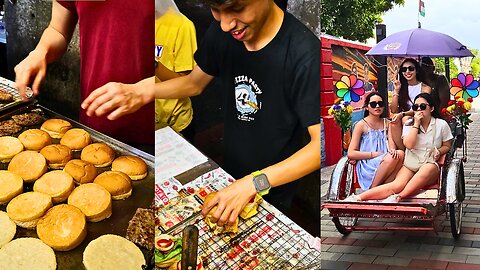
[383, 191]
[386, 169]
[427, 175]
[396, 130]
[397, 168]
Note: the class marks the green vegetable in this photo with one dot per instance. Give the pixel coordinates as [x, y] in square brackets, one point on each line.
[174, 252]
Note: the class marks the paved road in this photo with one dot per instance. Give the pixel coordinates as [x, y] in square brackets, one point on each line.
[411, 250]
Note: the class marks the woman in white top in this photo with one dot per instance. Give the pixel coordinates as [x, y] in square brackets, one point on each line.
[408, 85]
[427, 139]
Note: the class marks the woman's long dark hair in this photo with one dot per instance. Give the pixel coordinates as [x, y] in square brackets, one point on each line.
[403, 94]
[367, 100]
[431, 103]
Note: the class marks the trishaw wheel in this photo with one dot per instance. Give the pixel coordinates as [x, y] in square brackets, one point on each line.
[455, 210]
[342, 222]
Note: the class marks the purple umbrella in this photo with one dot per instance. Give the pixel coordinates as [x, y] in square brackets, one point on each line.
[420, 42]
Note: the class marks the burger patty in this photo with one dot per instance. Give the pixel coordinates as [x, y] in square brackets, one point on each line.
[5, 97]
[141, 228]
[28, 119]
[9, 128]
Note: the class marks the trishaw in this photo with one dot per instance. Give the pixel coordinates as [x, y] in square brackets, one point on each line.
[446, 196]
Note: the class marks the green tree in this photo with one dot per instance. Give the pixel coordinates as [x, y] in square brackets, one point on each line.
[353, 19]
[440, 67]
[475, 64]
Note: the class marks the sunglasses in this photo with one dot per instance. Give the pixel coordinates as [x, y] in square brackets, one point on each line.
[373, 104]
[409, 68]
[422, 106]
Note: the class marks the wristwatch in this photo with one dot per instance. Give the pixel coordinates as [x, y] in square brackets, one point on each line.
[260, 181]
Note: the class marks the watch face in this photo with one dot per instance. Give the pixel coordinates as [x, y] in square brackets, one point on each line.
[262, 182]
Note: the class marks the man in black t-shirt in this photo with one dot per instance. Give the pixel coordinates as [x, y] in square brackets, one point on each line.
[268, 63]
[438, 83]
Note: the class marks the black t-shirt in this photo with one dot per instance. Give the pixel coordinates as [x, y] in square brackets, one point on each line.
[271, 95]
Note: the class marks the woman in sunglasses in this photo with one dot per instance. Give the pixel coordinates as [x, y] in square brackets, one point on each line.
[408, 85]
[377, 159]
[426, 141]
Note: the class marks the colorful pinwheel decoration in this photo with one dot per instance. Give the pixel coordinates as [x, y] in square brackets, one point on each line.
[464, 86]
[349, 88]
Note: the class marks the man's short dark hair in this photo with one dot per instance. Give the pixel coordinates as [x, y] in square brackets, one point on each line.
[219, 2]
[427, 61]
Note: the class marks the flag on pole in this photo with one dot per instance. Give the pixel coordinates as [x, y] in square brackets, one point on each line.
[421, 8]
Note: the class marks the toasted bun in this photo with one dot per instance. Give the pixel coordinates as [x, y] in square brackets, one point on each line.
[117, 183]
[57, 184]
[112, 252]
[57, 155]
[8, 229]
[217, 229]
[10, 186]
[76, 139]
[26, 208]
[99, 154]
[251, 208]
[9, 147]
[178, 265]
[27, 254]
[82, 172]
[35, 139]
[56, 127]
[63, 227]
[93, 200]
[29, 165]
[133, 166]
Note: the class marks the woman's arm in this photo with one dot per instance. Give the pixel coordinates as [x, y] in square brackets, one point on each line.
[353, 152]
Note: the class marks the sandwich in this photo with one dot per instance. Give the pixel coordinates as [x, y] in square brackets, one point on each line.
[57, 155]
[27, 208]
[57, 184]
[10, 186]
[76, 139]
[56, 127]
[29, 165]
[117, 183]
[35, 139]
[168, 250]
[63, 227]
[133, 166]
[9, 147]
[93, 200]
[82, 172]
[99, 154]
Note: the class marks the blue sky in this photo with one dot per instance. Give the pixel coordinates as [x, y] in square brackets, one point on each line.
[459, 19]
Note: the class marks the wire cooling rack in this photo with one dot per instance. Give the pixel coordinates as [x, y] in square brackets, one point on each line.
[268, 240]
[7, 86]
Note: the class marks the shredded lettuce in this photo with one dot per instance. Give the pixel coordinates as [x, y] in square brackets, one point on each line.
[176, 251]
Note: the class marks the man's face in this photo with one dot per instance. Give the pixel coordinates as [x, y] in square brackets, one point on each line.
[243, 19]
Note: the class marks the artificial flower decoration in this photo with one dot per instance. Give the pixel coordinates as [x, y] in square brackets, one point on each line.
[349, 88]
[342, 113]
[458, 109]
[464, 86]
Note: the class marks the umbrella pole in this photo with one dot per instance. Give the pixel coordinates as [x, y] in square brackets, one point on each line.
[447, 68]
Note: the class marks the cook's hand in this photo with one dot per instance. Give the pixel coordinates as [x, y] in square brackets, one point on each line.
[230, 201]
[33, 67]
[114, 99]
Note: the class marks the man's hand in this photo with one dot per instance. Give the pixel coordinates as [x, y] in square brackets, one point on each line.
[230, 201]
[33, 67]
[118, 99]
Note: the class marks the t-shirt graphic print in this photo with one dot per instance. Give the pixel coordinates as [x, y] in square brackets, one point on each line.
[247, 93]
